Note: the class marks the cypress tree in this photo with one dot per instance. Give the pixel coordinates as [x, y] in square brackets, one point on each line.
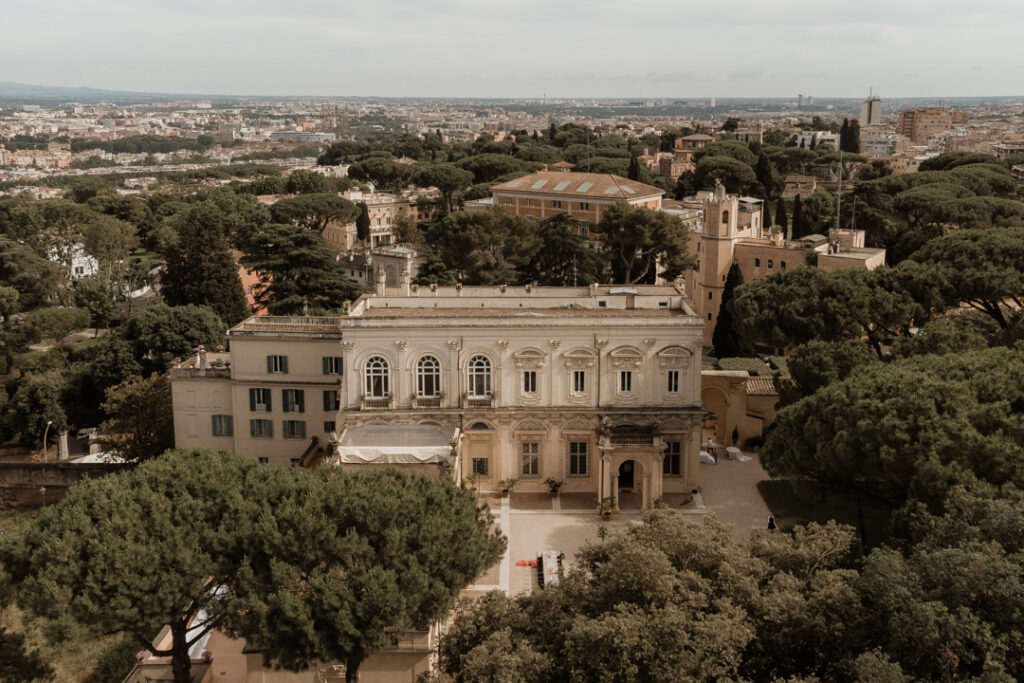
[725, 339]
[363, 223]
[552, 132]
[844, 135]
[765, 174]
[767, 216]
[200, 269]
[634, 168]
[780, 214]
[800, 227]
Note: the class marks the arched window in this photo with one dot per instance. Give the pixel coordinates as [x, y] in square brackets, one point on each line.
[725, 218]
[479, 377]
[377, 378]
[428, 377]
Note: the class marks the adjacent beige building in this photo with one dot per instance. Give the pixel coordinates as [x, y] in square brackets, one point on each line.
[595, 386]
[732, 230]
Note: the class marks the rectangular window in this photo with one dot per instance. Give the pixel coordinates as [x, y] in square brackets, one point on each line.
[331, 399]
[530, 458]
[585, 206]
[332, 365]
[261, 429]
[556, 204]
[770, 264]
[584, 231]
[294, 429]
[481, 467]
[578, 458]
[277, 365]
[673, 381]
[530, 382]
[223, 425]
[263, 460]
[293, 400]
[330, 426]
[673, 454]
[626, 381]
[757, 263]
[259, 400]
[579, 382]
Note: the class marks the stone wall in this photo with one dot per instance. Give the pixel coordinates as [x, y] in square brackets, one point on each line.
[22, 483]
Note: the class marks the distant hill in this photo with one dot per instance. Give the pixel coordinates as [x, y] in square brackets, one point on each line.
[26, 93]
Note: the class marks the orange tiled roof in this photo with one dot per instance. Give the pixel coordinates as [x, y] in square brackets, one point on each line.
[589, 185]
[761, 386]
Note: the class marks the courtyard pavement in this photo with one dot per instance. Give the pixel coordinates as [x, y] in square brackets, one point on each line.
[534, 523]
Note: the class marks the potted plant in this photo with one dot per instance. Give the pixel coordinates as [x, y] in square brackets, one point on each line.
[553, 485]
[506, 486]
[606, 507]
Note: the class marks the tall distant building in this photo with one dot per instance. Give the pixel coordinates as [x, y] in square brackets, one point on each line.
[871, 111]
[799, 100]
[920, 124]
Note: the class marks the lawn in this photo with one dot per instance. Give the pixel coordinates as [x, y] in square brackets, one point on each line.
[794, 503]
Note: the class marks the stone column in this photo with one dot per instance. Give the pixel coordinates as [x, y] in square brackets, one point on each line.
[647, 500]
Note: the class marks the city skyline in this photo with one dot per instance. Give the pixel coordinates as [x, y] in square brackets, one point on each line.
[598, 49]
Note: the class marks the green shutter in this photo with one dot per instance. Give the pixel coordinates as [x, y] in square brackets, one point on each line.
[284, 364]
[229, 423]
[326, 368]
[252, 428]
[252, 400]
[270, 363]
[300, 400]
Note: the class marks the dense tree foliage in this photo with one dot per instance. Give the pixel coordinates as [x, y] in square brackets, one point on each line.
[140, 418]
[641, 244]
[298, 273]
[306, 566]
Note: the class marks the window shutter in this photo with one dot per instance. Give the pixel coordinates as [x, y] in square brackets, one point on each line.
[327, 399]
[300, 400]
[252, 428]
[252, 399]
[270, 363]
[269, 398]
[284, 364]
[229, 423]
[326, 368]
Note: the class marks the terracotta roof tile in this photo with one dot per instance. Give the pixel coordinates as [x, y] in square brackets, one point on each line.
[761, 386]
[589, 185]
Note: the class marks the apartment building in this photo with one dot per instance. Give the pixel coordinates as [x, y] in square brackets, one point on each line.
[383, 210]
[596, 386]
[920, 124]
[584, 196]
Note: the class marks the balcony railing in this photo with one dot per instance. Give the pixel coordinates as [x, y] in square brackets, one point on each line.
[426, 401]
[632, 440]
[376, 402]
[479, 401]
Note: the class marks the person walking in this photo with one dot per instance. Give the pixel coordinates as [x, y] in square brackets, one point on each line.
[771, 524]
[711, 447]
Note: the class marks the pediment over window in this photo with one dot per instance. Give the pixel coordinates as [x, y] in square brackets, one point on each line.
[625, 356]
[674, 357]
[530, 426]
[529, 358]
[579, 358]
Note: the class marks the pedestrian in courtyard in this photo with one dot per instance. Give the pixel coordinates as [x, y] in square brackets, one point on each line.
[771, 524]
[711, 447]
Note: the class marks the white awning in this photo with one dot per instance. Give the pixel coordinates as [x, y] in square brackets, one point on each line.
[397, 444]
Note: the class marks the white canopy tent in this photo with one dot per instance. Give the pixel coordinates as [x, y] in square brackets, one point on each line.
[398, 445]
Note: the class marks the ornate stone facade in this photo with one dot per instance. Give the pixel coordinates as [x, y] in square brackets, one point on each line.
[598, 387]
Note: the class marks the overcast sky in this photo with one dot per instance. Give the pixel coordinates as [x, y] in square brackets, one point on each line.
[481, 48]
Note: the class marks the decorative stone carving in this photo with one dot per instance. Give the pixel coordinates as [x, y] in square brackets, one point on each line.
[503, 344]
[674, 357]
[401, 344]
[348, 345]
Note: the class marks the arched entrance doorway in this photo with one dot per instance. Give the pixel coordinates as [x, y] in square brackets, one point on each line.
[627, 474]
[630, 485]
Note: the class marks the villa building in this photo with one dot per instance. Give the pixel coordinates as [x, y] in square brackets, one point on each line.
[595, 386]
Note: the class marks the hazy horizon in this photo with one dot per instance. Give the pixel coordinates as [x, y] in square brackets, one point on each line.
[573, 49]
